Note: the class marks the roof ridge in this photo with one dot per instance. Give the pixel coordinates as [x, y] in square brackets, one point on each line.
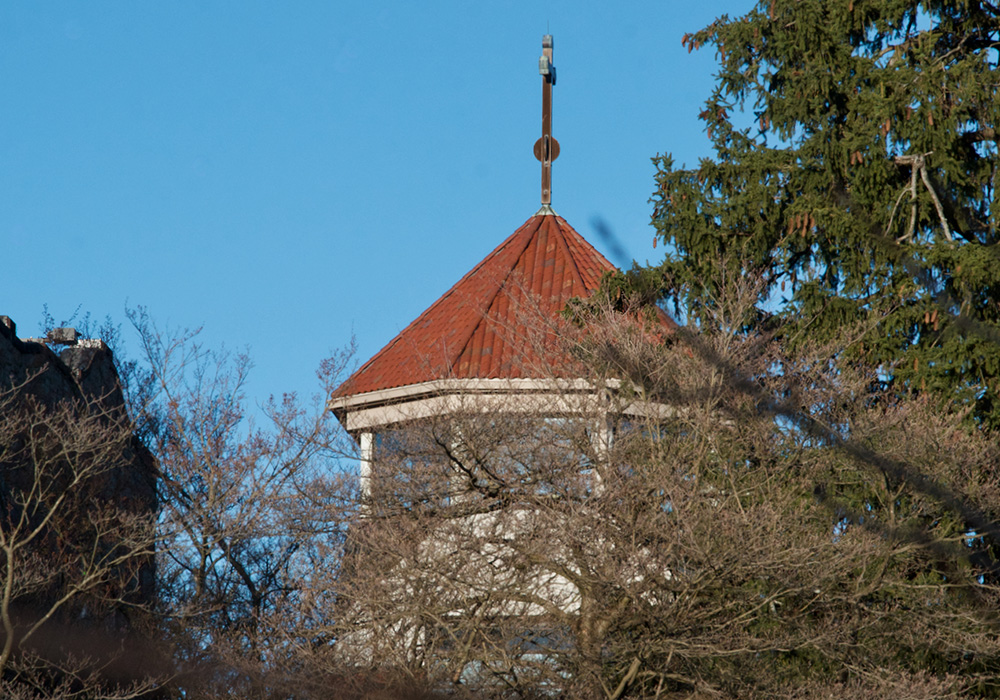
[579, 241]
[482, 318]
[399, 337]
[569, 252]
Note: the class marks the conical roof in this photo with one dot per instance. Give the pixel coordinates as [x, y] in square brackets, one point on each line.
[472, 331]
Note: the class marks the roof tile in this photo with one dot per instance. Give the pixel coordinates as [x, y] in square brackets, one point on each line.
[471, 332]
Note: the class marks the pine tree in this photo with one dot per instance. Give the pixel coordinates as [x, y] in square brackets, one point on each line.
[856, 153]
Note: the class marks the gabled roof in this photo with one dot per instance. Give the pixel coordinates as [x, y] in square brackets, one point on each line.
[473, 331]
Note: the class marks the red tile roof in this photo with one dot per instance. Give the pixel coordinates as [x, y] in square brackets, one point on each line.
[477, 329]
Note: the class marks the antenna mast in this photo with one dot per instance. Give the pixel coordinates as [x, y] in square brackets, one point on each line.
[547, 148]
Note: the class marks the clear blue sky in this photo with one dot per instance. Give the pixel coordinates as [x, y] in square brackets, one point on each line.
[287, 174]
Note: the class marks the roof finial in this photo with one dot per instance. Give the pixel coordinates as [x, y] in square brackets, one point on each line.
[547, 148]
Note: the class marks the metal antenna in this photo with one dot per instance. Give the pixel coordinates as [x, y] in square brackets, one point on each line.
[547, 148]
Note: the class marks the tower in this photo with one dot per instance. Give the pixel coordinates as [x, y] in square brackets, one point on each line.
[481, 434]
[484, 344]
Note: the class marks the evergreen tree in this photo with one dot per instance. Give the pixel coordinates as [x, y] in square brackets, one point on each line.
[856, 153]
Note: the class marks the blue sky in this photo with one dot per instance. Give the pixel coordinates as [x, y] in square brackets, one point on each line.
[287, 175]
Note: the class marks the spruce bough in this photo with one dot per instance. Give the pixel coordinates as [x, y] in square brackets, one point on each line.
[855, 164]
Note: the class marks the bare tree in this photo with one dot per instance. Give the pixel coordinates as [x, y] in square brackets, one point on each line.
[76, 537]
[752, 524]
[239, 529]
[680, 516]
